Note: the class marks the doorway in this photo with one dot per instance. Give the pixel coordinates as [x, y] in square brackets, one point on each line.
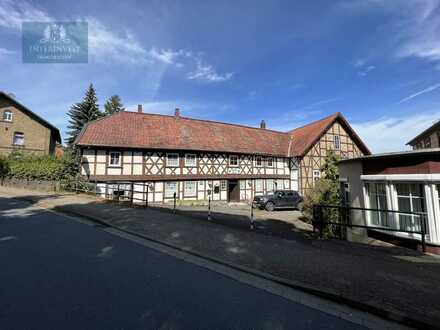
[233, 191]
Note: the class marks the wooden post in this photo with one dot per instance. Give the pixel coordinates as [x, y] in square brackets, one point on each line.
[132, 193]
[174, 207]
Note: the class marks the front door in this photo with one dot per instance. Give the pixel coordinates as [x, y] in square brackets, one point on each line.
[233, 191]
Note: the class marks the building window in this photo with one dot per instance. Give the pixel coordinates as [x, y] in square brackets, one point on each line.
[427, 142]
[242, 184]
[377, 195]
[190, 188]
[316, 175]
[173, 160]
[258, 185]
[258, 161]
[233, 160]
[410, 198]
[190, 160]
[170, 189]
[337, 142]
[115, 158]
[18, 139]
[269, 162]
[269, 185]
[279, 184]
[223, 185]
[7, 115]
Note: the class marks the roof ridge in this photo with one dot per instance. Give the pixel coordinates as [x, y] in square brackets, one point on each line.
[335, 115]
[206, 121]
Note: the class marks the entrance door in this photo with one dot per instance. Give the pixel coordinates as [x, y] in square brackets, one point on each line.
[233, 191]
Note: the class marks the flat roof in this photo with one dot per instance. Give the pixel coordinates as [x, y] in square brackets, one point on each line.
[395, 154]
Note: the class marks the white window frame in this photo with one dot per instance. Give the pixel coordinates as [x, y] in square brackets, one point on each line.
[190, 192]
[337, 142]
[19, 135]
[7, 115]
[260, 160]
[270, 185]
[259, 184]
[168, 159]
[223, 184]
[187, 164]
[169, 193]
[316, 175]
[411, 197]
[236, 157]
[269, 159]
[118, 164]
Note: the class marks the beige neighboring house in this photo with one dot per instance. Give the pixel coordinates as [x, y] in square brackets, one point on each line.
[24, 130]
[429, 138]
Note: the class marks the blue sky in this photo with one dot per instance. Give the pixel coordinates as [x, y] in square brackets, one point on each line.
[288, 62]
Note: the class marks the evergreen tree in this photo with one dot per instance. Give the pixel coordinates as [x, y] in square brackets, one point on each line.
[81, 113]
[113, 105]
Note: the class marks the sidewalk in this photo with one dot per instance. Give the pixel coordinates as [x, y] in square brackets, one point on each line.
[391, 281]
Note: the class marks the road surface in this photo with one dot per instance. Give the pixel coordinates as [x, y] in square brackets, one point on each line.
[58, 273]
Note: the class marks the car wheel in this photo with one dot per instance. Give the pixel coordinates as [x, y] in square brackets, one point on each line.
[300, 206]
[270, 206]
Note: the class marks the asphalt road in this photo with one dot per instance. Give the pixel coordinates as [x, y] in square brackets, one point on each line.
[57, 273]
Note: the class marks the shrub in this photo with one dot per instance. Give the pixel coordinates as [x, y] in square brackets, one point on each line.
[42, 167]
[326, 192]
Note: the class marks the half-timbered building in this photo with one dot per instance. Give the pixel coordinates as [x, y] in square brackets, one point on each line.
[194, 159]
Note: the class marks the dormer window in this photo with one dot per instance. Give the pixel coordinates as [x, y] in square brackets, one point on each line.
[7, 115]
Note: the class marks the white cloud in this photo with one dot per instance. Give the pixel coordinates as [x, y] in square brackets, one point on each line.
[13, 13]
[206, 72]
[366, 70]
[6, 52]
[424, 91]
[392, 133]
[169, 56]
[416, 25]
[105, 43]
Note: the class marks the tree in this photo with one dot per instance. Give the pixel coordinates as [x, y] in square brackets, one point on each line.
[81, 113]
[325, 190]
[113, 105]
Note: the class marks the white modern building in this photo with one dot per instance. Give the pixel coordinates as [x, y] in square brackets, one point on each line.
[400, 182]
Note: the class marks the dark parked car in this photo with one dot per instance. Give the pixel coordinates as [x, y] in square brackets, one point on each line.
[279, 199]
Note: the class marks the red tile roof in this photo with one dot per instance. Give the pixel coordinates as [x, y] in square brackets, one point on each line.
[141, 130]
[152, 131]
[303, 138]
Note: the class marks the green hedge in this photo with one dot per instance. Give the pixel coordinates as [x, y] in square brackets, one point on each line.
[41, 168]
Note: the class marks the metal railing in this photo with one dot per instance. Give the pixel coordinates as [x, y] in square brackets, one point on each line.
[339, 217]
[118, 192]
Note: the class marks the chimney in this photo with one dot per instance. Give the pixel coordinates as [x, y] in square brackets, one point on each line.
[140, 108]
[263, 124]
[177, 113]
